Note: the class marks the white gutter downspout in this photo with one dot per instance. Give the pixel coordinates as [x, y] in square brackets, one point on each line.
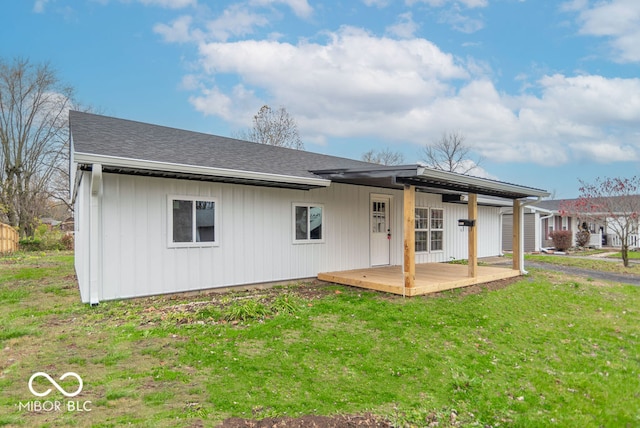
[503, 211]
[521, 243]
[95, 222]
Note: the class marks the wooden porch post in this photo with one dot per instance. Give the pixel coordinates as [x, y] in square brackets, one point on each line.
[409, 236]
[473, 235]
[516, 235]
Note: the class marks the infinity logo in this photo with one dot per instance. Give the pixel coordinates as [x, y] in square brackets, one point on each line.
[54, 383]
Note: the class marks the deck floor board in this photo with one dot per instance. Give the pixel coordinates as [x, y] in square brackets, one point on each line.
[430, 278]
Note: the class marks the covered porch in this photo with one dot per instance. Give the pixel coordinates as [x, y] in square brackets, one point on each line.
[429, 278]
[410, 279]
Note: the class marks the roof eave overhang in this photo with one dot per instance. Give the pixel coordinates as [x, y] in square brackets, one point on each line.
[165, 169]
[431, 179]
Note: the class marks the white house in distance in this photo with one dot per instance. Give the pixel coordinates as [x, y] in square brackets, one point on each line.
[602, 233]
[161, 210]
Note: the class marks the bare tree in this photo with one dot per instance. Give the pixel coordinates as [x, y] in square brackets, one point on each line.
[274, 127]
[34, 108]
[383, 157]
[450, 153]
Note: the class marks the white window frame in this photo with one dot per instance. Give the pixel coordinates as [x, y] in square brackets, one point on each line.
[193, 244]
[432, 229]
[416, 230]
[308, 239]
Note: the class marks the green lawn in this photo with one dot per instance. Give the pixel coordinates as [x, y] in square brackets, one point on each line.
[547, 350]
[591, 263]
[633, 255]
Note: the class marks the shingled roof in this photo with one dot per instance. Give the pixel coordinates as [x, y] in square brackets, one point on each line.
[119, 138]
[129, 147]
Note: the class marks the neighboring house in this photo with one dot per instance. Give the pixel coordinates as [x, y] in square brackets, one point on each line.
[602, 233]
[533, 228]
[50, 222]
[557, 221]
[160, 210]
[67, 225]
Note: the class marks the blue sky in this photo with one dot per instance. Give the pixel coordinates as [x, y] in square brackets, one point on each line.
[545, 92]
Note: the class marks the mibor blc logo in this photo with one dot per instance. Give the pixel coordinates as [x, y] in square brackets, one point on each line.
[54, 405]
[54, 383]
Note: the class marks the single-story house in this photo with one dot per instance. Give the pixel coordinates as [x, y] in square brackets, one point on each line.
[161, 210]
[602, 232]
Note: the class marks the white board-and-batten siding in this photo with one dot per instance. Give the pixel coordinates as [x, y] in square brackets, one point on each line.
[254, 234]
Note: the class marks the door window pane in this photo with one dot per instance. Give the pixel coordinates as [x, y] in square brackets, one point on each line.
[379, 217]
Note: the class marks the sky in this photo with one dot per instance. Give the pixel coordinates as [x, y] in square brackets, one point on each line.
[545, 93]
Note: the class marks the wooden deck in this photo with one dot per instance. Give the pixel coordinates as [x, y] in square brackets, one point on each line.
[430, 278]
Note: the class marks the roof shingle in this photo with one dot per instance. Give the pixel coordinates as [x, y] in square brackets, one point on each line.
[107, 136]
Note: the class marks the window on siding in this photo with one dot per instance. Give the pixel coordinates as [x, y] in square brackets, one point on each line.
[308, 221]
[422, 229]
[429, 229]
[437, 229]
[192, 221]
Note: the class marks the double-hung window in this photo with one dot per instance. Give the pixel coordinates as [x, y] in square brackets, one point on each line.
[437, 229]
[308, 221]
[192, 221]
[429, 229]
[422, 229]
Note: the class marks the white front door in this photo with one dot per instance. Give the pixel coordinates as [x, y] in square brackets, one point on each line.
[380, 231]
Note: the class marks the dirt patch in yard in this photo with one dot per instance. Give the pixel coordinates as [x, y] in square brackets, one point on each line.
[340, 421]
[473, 289]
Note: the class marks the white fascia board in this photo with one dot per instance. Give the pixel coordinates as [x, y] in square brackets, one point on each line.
[477, 181]
[115, 161]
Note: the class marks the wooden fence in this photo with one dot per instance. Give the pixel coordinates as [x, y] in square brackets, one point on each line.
[8, 239]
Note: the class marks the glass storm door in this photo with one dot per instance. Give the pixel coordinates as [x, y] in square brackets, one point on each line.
[380, 231]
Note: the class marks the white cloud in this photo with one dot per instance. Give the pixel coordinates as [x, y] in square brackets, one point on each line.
[474, 169]
[456, 13]
[607, 152]
[377, 3]
[440, 3]
[354, 84]
[617, 20]
[358, 85]
[353, 72]
[460, 21]
[169, 4]
[236, 20]
[39, 6]
[213, 102]
[300, 8]
[177, 32]
[405, 27]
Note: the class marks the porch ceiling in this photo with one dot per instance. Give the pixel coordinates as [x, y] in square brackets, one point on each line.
[430, 278]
